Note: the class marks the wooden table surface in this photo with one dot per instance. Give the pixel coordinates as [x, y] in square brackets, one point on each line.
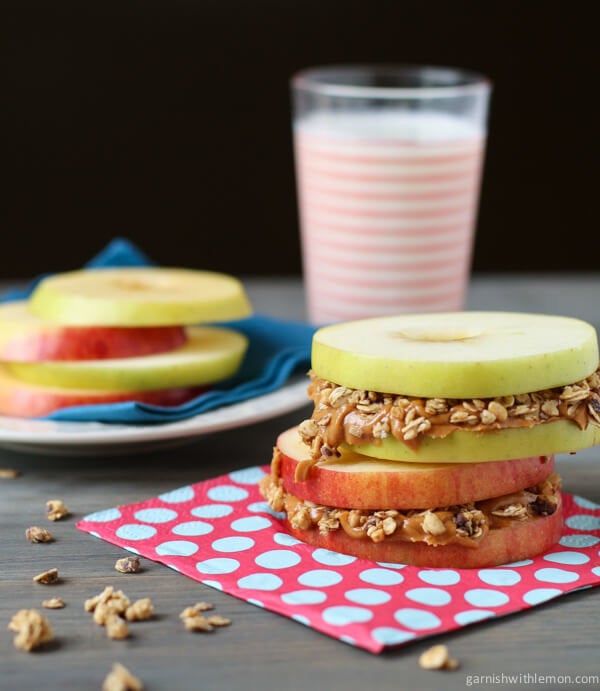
[260, 650]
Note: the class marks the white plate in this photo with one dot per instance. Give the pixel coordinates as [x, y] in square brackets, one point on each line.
[94, 438]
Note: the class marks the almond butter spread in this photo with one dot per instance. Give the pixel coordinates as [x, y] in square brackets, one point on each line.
[358, 417]
[465, 524]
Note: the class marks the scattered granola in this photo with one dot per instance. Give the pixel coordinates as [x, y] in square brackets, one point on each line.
[56, 510]
[121, 679]
[53, 603]
[47, 577]
[37, 534]
[193, 620]
[140, 610]
[437, 657]
[32, 629]
[8, 473]
[128, 565]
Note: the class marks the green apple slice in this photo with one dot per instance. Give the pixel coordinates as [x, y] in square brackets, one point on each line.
[210, 355]
[560, 436]
[139, 297]
[456, 355]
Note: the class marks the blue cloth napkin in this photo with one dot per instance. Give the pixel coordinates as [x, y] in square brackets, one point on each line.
[277, 349]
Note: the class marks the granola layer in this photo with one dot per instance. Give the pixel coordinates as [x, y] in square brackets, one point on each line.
[465, 524]
[344, 415]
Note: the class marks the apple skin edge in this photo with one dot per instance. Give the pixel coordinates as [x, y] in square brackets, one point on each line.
[519, 540]
[20, 399]
[88, 343]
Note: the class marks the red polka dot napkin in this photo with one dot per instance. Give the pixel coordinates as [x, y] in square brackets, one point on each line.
[223, 534]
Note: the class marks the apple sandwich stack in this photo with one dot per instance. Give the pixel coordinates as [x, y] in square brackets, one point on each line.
[432, 438]
[110, 335]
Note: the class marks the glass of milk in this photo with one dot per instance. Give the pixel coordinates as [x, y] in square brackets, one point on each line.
[388, 168]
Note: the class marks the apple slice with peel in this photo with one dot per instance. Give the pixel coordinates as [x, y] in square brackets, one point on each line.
[209, 355]
[456, 355]
[357, 482]
[20, 399]
[517, 541]
[139, 297]
[557, 436]
[25, 338]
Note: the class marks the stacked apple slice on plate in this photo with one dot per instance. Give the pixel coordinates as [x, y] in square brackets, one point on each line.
[432, 437]
[110, 335]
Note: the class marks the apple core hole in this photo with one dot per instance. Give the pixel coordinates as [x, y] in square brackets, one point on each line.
[437, 335]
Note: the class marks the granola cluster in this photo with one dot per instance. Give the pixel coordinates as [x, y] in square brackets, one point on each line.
[465, 524]
[194, 620]
[32, 629]
[348, 415]
[112, 609]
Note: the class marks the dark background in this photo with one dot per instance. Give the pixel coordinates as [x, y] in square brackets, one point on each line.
[168, 122]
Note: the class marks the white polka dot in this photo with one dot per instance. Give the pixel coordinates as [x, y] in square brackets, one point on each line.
[175, 568]
[470, 616]
[499, 576]
[192, 528]
[341, 615]
[441, 577]
[387, 635]
[247, 476]
[381, 577]
[583, 522]
[596, 570]
[390, 565]
[417, 618]
[328, 558]
[556, 576]
[233, 544]
[250, 524]
[575, 558]
[155, 515]
[212, 511]
[518, 564]
[135, 531]
[585, 503]
[277, 559]
[177, 548]
[319, 578]
[429, 596]
[286, 540]
[256, 603]
[94, 533]
[263, 507]
[260, 581]
[484, 597]
[534, 597]
[131, 549]
[213, 584]
[104, 516]
[178, 496]
[578, 540]
[367, 596]
[301, 619]
[347, 639]
[304, 597]
[218, 565]
[227, 493]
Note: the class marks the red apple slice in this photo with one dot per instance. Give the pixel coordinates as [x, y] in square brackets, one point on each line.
[21, 399]
[516, 541]
[359, 482]
[26, 338]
